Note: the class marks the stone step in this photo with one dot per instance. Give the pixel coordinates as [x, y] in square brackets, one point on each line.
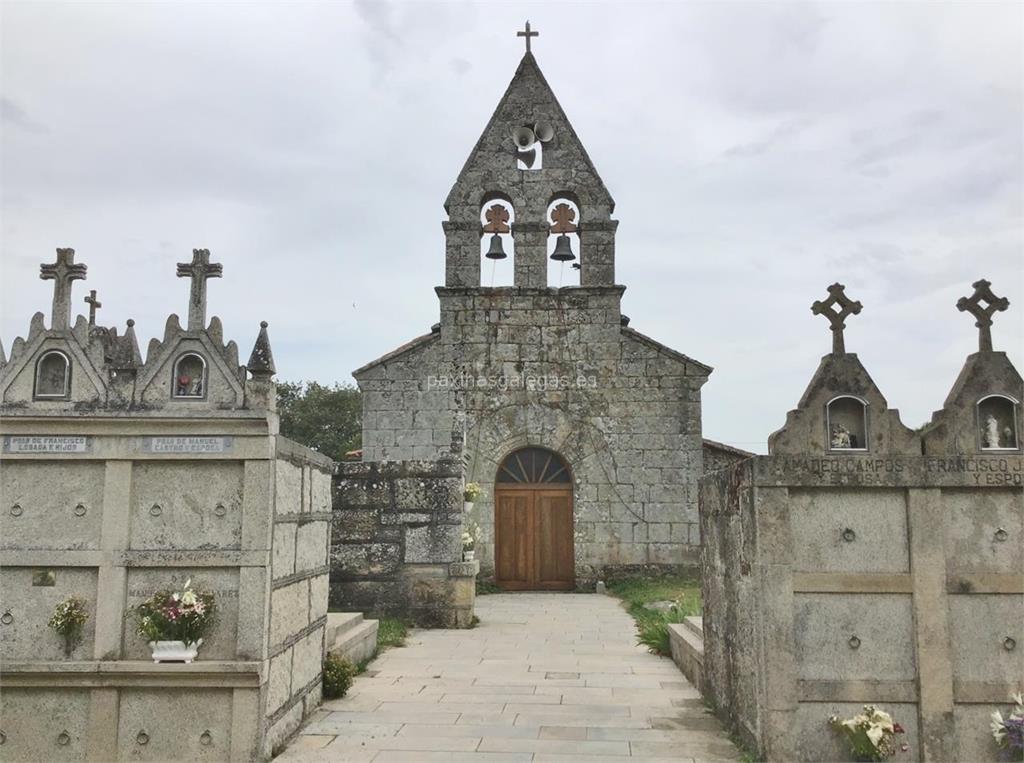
[687, 641]
[339, 622]
[357, 641]
[695, 624]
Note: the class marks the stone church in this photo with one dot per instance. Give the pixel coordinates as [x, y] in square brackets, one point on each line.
[584, 433]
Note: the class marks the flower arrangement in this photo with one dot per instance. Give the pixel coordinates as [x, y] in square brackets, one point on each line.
[1009, 732]
[870, 735]
[183, 615]
[68, 620]
[468, 540]
[472, 492]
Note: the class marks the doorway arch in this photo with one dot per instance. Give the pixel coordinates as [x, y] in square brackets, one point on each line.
[533, 522]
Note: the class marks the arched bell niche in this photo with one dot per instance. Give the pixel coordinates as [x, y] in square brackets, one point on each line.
[564, 264]
[53, 376]
[846, 420]
[189, 382]
[496, 245]
[998, 423]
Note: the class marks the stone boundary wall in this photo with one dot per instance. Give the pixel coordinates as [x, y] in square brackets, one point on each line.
[223, 502]
[835, 581]
[299, 584]
[396, 542]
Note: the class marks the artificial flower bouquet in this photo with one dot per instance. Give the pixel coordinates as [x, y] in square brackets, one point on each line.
[173, 622]
[68, 621]
[1009, 732]
[870, 735]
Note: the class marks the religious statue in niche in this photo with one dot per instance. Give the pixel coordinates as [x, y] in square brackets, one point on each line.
[52, 376]
[189, 377]
[842, 438]
[995, 435]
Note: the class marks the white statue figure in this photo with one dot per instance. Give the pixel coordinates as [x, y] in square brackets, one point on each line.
[840, 437]
[990, 434]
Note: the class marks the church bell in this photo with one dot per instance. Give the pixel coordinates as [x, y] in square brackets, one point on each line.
[563, 249]
[496, 252]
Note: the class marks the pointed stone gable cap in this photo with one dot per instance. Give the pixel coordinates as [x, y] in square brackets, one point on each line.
[261, 361]
[529, 98]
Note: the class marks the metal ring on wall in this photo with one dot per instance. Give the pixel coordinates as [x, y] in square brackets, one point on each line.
[80, 510]
[1001, 535]
[220, 509]
[1009, 643]
[854, 642]
[63, 738]
[206, 738]
[142, 738]
[16, 510]
[6, 618]
[849, 535]
[156, 510]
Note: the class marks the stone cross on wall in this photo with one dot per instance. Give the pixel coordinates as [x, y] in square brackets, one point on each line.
[983, 315]
[62, 273]
[837, 317]
[94, 305]
[198, 270]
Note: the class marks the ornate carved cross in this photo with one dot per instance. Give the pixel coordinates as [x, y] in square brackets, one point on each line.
[497, 219]
[527, 34]
[94, 305]
[62, 273]
[562, 218]
[983, 314]
[198, 270]
[837, 317]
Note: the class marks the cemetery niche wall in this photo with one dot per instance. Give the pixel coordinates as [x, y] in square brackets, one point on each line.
[122, 476]
[861, 562]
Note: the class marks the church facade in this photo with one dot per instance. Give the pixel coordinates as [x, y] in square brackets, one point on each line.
[584, 433]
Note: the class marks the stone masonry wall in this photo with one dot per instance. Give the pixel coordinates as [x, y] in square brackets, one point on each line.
[396, 542]
[556, 369]
[299, 585]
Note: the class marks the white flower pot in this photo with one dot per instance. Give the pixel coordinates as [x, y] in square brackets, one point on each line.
[174, 651]
[468, 556]
[467, 506]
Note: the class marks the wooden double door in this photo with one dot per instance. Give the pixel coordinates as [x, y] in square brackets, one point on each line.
[533, 537]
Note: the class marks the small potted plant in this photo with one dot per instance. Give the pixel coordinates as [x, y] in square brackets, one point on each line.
[870, 735]
[470, 494]
[469, 544]
[1008, 732]
[173, 622]
[68, 621]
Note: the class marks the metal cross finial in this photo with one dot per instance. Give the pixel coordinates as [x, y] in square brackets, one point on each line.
[527, 34]
[973, 305]
[198, 270]
[94, 305]
[847, 307]
[62, 273]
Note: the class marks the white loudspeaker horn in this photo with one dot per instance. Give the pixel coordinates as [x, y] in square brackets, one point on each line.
[523, 137]
[544, 131]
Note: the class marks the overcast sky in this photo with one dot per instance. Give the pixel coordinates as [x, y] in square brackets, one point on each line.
[757, 152]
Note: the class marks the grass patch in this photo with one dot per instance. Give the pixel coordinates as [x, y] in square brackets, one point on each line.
[484, 587]
[391, 632]
[651, 625]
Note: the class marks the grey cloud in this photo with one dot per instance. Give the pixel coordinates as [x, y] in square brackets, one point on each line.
[12, 114]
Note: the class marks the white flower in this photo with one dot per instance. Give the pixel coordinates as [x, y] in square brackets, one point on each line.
[1018, 698]
[188, 598]
[875, 734]
[998, 730]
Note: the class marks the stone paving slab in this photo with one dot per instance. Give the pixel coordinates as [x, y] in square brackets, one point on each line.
[544, 677]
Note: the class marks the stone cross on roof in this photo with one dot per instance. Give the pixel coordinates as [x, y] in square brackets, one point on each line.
[198, 270]
[527, 34]
[94, 305]
[837, 317]
[62, 273]
[973, 305]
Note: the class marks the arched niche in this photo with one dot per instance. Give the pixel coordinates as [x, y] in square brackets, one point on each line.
[998, 423]
[53, 376]
[534, 466]
[190, 377]
[497, 247]
[563, 217]
[846, 424]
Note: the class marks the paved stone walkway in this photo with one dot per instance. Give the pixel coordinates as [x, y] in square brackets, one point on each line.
[544, 677]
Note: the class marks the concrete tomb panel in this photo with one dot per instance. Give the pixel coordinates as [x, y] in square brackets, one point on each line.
[816, 742]
[987, 634]
[218, 644]
[201, 730]
[44, 725]
[984, 531]
[50, 504]
[29, 597]
[187, 508]
[854, 637]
